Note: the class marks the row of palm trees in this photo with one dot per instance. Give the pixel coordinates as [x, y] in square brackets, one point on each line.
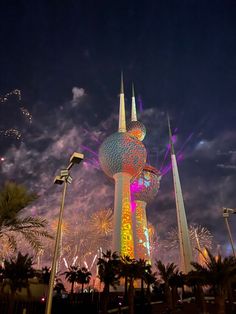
[113, 270]
[216, 275]
[80, 275]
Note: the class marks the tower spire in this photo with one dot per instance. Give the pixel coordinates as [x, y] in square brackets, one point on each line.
[184, 241]
[122, 121]
[133, 110]
[170, 137]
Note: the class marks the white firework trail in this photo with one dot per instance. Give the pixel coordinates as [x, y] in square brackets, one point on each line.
[94, 259]
[65, 262]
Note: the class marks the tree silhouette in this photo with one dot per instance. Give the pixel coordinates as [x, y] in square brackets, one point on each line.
[83, 277]
[220, 274]
[13, 200]
[17, 272]
[71, 276]
[108, 273]
[166, 273]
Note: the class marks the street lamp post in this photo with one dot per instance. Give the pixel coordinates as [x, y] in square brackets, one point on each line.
[63, 178]
[226, 212]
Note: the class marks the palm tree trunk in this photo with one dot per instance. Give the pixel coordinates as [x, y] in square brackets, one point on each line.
[174, 293]
[11, 303]
[82, 288]
[168, 296]
[131, 296]
[148, 293]
[220, 301]
[126, 289]
[142, 287]
[72, 287]
[105, 300]
[200, 300]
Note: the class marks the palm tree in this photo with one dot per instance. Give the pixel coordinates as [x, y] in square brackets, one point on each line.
[108, 273]
[17, 271]
[132, 270]
[83, 277]
[220, 274]
[166, 273]
[45, 275]
[176, 281]
[196, 283]
[71, 276]
[149, 279]
[143, 269]
[124, 273]
[13, 200]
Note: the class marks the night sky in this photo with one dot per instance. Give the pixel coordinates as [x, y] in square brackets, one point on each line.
[66, 57]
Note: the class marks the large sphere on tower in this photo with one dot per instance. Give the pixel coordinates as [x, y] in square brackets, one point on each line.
[122, 153]
[136, 129]
[146, 185]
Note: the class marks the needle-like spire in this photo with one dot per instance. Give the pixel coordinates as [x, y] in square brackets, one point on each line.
[170, 137]
[133, 110]
[122, 121]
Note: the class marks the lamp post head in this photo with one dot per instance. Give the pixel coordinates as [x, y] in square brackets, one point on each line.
[69, 179]
[58, 180]
[76, 158]
[227, 211]
[64, 173]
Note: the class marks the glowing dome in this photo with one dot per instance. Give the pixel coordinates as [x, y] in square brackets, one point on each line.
[136, 129]
[146, 185]
[122, 153]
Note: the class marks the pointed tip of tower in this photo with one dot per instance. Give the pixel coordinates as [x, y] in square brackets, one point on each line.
[122, 119]
[133, 94]
[121, 83]
[170, 136]
[133, 109]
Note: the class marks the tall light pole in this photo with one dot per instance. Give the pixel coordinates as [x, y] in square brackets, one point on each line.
[226, 212]
[65, 178]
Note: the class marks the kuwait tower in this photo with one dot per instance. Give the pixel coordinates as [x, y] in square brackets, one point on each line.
[143, 190]
[184, 241]
[122, 157]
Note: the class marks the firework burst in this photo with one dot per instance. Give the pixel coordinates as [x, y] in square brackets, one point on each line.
[101, 222]
[200, 238]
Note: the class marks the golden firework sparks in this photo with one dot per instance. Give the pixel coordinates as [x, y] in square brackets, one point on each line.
[101, 221]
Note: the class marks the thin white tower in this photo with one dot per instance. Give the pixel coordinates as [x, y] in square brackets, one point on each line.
[186, 256]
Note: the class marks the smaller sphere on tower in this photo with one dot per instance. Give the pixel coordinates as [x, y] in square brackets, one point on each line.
[146, 185]
[136, 129]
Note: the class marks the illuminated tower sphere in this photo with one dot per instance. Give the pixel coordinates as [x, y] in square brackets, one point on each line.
[135, 128]
[143, 190]
[122, 157]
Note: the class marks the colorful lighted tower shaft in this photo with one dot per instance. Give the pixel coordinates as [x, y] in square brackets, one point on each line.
[143, 189]
[184, 240]
[122, 240]
[141, 236]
